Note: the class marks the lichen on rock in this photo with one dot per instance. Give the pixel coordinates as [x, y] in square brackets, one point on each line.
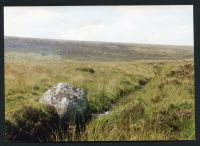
[70, 101]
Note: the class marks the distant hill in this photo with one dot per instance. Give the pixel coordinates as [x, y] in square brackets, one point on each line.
[68, 49]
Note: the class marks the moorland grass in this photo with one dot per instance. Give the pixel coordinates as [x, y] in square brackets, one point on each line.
[161, 109]
[153, 113]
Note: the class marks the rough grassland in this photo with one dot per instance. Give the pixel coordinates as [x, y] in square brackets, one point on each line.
[26, 81]
[163, 109]
[148, 100]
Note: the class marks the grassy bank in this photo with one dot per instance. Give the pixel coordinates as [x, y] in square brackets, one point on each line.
[163, 110]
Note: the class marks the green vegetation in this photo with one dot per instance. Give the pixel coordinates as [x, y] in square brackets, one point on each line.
[32, 123]
[162, 109]
[146, 99]
[26, 81]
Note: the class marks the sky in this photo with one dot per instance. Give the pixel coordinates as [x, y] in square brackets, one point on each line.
[172, 25]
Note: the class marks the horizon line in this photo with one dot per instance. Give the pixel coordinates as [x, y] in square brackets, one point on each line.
[99, 41]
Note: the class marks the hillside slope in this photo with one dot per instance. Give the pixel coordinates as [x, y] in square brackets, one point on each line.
[68, 49]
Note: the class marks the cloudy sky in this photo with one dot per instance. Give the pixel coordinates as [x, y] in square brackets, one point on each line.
[133, 24]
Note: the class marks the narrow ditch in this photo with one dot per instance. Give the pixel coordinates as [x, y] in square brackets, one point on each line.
[140, 87]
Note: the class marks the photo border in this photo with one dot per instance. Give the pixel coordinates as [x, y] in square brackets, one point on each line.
[196, 24]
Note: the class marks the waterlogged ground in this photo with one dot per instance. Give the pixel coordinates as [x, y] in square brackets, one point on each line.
[146, 100]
